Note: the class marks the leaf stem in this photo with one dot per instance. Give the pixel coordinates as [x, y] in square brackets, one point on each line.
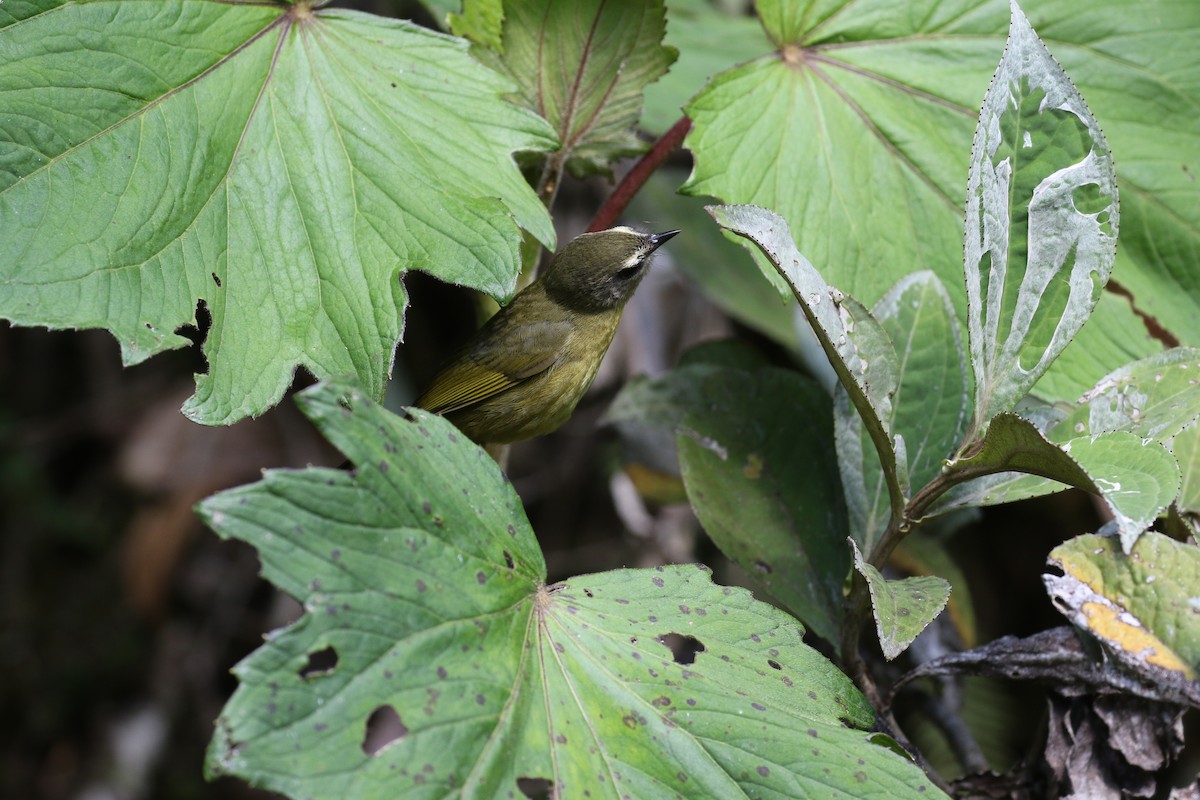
[547, 188]
[636, 178]
[858, 605]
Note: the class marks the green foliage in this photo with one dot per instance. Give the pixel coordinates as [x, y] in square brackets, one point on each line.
[1152, 398]
[1041, 223]
[1186, 447]
[423, 584]
[582, 66]
[283, 165]
[1137, 478]
[862, 124]
[903, 607]
[763, 481]
[929, 409]
[860, 351]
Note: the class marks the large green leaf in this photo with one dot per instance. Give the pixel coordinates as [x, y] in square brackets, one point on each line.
[434, 661]
[1042, 222]
[282, 164]
[856, 131]
[757, 456]
[581, 65]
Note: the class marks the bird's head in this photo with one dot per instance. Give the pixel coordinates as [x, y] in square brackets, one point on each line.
[599, 271]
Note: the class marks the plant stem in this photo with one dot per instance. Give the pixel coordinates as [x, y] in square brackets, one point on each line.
[636, 178]
[858, 605]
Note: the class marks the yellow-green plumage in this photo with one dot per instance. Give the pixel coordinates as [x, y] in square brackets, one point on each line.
[522, 374]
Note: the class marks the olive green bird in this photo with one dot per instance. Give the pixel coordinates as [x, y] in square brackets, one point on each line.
[522, 374]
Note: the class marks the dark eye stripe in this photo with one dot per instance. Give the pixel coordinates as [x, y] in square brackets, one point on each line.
[628, 272]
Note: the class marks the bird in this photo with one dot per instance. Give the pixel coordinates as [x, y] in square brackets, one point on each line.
[522, 374]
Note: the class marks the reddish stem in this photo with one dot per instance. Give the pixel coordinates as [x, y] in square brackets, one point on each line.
[633, 181]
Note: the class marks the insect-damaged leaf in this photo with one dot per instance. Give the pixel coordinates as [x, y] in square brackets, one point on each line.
[1041, 222]
[1141, 605]
[1137, 478]
[433, 659]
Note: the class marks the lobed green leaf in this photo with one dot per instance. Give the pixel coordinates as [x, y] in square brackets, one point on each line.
[433, 660]
[283, 165]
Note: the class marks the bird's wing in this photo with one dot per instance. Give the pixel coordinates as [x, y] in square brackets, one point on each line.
[493, 362]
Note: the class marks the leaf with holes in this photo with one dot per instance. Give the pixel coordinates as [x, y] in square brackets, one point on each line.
[582, 66]
[1153, 397]
[283, 164]
[929, 409]
[902, 607]
[433, 660]
[1042, 222]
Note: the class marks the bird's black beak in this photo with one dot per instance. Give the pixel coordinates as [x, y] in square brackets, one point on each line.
[656, 240]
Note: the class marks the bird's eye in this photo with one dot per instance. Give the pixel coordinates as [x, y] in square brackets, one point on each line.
[628, 272]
